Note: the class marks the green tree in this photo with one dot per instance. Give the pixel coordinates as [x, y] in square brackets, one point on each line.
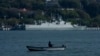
[12, 21]
[70, 3]
[69, 14]
[96, 21]
[93, 9]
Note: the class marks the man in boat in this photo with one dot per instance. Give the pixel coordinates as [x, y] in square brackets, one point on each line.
[63, 46]
[49, 44]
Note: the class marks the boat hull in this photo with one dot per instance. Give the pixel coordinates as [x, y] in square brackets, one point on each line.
[31, 48]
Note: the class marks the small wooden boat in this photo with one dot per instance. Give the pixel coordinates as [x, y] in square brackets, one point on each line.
[32, 48]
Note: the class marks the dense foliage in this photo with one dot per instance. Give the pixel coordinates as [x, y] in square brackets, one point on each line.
[82, 12]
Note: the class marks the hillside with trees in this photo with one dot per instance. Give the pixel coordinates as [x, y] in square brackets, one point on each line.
[81, 12]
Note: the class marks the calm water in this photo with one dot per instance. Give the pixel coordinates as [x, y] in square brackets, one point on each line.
[79, 43]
